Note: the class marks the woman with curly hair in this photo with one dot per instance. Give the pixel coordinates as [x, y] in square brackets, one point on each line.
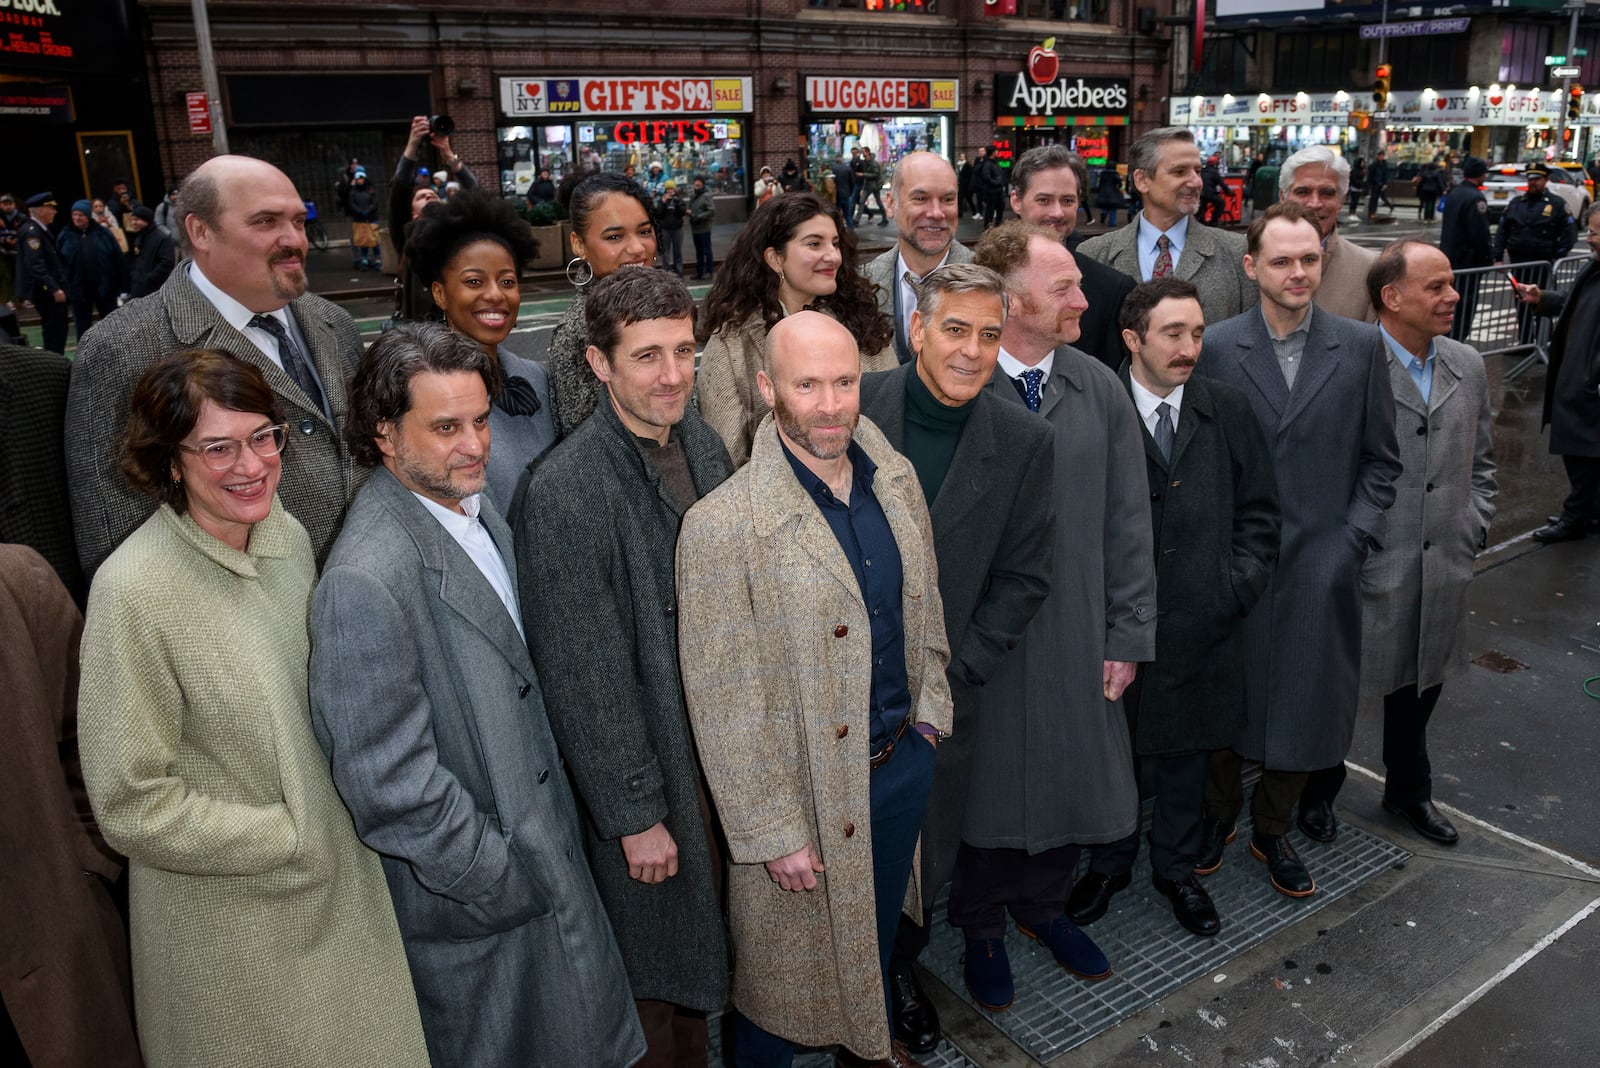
[468, 252]
[794, 253]
[611, 228]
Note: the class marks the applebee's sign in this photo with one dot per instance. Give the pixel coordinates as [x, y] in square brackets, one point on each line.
[1017, 94]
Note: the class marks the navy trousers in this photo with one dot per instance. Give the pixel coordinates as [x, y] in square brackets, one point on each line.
[899, 798]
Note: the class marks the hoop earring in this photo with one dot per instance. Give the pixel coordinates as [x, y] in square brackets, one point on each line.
[580, 272]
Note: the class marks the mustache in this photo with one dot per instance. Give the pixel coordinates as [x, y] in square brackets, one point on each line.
[284, 254]
[1182, 362]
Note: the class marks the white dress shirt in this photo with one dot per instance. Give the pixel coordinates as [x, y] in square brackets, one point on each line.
[1014, 367]
[474, 539]
[238, 316]
[1148, 402]
[908, 296]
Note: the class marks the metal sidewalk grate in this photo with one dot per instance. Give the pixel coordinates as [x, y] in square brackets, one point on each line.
[1153, 956]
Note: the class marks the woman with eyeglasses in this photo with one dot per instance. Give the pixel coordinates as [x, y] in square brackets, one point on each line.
[795, 253]
[612, 227]
[261, 926]
[468, 252]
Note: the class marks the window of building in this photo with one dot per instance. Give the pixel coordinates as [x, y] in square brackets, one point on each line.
[713, 149]
[1065, 10]
[1523, 47]
[1317, 62]
[912, 7]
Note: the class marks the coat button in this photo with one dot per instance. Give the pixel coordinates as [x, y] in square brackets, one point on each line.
[840, 631]
[671, 609]
[1155, 496]
[1427, 545]
[522, 691]
[1430, 487]
[844, 729]
[1423, 429]
[307, 427]
[849, 830]
[543, 775]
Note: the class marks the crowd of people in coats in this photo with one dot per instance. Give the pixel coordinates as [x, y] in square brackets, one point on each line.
[451, 705]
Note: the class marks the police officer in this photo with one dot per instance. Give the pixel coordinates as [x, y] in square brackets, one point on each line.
[40, 276]
[1536, 227]
[1464, 237]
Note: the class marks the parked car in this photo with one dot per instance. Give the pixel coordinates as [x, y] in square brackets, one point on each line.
[1506, 182]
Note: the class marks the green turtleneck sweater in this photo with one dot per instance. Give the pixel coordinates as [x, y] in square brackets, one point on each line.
[932, 433]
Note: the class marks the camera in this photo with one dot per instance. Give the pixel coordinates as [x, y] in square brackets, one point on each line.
[441, 125]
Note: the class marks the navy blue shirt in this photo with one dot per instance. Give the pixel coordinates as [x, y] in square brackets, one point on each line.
[868, 543]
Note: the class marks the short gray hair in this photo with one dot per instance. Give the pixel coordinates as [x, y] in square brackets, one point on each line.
[960, 278]
[1145, 154]
[1314, 156]
[1048, 158]
[199, 195]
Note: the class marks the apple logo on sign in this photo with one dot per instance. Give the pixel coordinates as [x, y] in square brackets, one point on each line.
[1043, 63]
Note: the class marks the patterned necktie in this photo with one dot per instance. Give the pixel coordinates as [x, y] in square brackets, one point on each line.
[1163, 434]
[293, 362]
[1163, 264]
[1027, 384]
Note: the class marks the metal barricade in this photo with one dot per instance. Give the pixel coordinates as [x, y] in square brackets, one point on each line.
[1490, 318]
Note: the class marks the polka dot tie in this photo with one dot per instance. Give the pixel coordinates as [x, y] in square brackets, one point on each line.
[1028, 385]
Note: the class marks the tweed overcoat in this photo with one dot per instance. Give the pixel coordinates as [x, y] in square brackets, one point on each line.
[34, 509]
[777, 669]
[1414, 593]
[1572, 381]
[262, 929]
[1343, 289]
[725, 385]
[993, 524]
[880, 272]
[318, 474]
[1052, 764]
[595, 551]
[63, 947]
[424, 698]
[1215, 522]
[573, 386]
[1212, 259]
[1335, 457]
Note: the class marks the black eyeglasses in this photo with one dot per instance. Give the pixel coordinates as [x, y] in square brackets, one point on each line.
[223, 453]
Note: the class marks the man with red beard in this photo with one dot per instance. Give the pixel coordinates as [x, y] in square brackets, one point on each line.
[241, 224]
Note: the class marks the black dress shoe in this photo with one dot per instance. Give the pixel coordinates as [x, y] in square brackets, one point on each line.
[916, 1021]
[1427, 820]
[1191, 905]
[1284, 866]
[1092, 896]
[1563, 529]
[1592, 526]
[1316, 819]
[1219, 836]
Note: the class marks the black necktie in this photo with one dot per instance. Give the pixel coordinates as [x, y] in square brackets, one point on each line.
[293, 362]
[1164, 430]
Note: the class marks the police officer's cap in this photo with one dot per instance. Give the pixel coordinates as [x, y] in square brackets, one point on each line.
[41, 200]
[1536, 170]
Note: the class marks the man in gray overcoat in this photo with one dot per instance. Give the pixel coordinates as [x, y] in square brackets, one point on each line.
[595, 545]
[1214, 518]
[987, 471]
[1051, 767]
[1414, 593]
[1319, 386]
[425, 700]
[922, 199]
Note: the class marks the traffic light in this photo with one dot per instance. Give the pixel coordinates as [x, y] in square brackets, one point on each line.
[1574, 103]
[1380, 87]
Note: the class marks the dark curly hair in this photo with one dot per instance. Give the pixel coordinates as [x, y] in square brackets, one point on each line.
[380, 390]
[583, 190]
[445, 228]
[745, 284]
[166, 405]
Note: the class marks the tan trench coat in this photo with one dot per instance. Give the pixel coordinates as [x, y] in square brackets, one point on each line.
[776, 648]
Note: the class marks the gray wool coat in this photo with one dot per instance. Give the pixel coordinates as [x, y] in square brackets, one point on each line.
[880, 272]
[319, 476]
[1414, 593]
[595, 556]
[1052, 764]
[993, 523]
[1212, 259]
[426, 702]
[1214, 517]
[1334, 452]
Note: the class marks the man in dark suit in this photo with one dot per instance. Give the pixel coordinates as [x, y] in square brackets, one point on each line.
[986, 469]
[34, 510]
[243, 291]
[425, 699]
[1047, 186]
[596, 538]
[1572, 392]
[1319, 386]
[1212, 500]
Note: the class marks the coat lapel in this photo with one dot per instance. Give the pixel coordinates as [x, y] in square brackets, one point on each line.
[1259, 362]
[1317, 364]
[1405, 390]
[1196, 406]
[777, 498]
[1446, 377]
[968, 476]
[1198, 247]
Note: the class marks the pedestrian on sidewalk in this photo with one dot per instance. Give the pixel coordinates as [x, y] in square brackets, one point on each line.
[1108, 198]
[669, 215]
[152, 254]
[365, 254]
[991, 187]
[1378, 180]
[703, 217]
[1429, 184]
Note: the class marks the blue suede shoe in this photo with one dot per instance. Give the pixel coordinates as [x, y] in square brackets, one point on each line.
[1072, 949]
[988, 974]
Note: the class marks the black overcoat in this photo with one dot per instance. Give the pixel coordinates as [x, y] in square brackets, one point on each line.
[596, 545]
[1572, 381]
[1214, 517]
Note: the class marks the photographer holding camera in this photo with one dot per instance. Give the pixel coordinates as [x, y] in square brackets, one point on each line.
[412, 190]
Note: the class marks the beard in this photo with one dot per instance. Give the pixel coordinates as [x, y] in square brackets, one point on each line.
[287, 286]
[801, 433]
[441, 482]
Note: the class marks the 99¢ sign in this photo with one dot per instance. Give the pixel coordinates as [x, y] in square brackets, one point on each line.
[582, 96]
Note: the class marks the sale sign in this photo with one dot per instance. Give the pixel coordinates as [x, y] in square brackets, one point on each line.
[881, 96]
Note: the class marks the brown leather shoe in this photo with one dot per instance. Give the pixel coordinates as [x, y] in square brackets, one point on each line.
[899, 1057]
